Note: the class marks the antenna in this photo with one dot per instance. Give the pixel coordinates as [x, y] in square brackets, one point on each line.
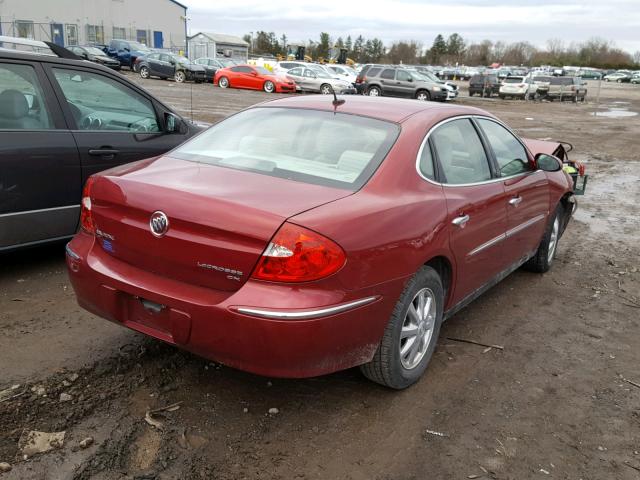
[191, 103]
[336, 103]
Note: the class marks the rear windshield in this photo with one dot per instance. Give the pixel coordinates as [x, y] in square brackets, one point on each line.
[541, 79]
[561, 81]
[338, 150]
[373, 71]
[514, 80]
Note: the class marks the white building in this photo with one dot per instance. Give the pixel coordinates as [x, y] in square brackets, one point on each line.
[217, 45]
[156, 23]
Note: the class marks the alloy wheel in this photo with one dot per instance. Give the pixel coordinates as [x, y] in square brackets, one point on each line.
[417, 328]
[180, 77]
[553, 239]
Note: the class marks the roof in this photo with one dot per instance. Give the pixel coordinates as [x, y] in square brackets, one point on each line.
[221, 38]
[179, 4]
[384, 108]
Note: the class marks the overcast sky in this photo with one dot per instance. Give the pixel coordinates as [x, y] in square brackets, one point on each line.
[508, 20]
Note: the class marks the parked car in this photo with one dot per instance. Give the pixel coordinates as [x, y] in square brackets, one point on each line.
[517, 87]
[253, 78]
[314, 80]
[484, 85]
[361, 79]
[94, 54]
[541, 83]
[398, 82]
[589, 73]
[62, 120]
[281, 68]
[635, 79]
[567, 88]
[126, 51]
[169, 65]
[450, 87]
[618, 77]
[299, 237]
[344, 72]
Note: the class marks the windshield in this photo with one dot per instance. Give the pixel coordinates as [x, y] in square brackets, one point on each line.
[94, 51]
[227, 62]
[313, 146]
[138, 46]
[541, 79]
[182, 60]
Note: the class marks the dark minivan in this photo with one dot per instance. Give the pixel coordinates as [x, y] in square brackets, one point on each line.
[484, 85]
[62, 120]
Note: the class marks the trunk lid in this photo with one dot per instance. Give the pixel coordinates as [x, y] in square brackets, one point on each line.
[220, 219]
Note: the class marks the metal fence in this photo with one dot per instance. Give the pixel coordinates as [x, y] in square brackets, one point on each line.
[80, 34]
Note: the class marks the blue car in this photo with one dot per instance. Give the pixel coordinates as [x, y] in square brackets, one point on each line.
[126, 51]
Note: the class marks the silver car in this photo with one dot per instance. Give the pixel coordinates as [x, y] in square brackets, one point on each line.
[315, 80]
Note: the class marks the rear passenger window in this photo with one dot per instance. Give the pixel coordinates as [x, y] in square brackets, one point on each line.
[373, 72]
[22, 105]
[388, 74]
[460, 153]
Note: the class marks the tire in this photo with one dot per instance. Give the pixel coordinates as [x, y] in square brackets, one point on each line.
[374, 92]
[325, 89]
[180, 76]
[269, 87]
[618, 81]
[223, 82]
[163, 78]
[542, 260]
[389, 367]
[423, 95]
[606, 79]
[144, 72]
[471, 94]
[502, 97]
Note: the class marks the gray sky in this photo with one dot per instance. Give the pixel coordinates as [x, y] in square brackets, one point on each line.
[507, 20]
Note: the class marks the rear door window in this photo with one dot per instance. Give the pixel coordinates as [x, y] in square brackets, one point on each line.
[22, 102]
[388, 74]
[461, 153]
[373, 72]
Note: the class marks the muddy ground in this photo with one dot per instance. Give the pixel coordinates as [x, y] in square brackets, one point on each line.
[552, 404]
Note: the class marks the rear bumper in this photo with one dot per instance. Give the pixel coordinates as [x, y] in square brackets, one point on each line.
[268, 329]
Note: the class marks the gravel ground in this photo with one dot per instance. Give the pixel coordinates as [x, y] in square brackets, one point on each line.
[554, 403]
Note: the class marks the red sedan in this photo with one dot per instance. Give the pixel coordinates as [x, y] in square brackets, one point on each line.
[253, 78]
[304, 236]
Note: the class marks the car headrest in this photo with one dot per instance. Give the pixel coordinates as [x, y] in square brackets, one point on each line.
[13, 104]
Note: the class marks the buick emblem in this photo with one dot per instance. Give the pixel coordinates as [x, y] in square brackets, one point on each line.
[158, 223]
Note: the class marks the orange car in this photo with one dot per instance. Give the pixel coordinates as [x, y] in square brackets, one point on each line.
[253, 78]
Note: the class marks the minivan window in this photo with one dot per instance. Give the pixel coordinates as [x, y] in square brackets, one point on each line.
[325, 148]
[98, 102]
[22, 103]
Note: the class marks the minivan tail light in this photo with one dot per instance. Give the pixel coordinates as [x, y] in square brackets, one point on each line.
[297, 254]
[86, 218]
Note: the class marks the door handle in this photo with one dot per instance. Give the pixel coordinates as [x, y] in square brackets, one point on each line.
[103, 152]
[460, 221]
[515, 201]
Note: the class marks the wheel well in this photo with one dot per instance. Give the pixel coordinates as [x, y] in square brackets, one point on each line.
[422, 90]
[443, 267]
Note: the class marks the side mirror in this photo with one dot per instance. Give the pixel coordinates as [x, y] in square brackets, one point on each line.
[410, 79]
[126, 49]
[171, 123]
[548, 163]
[254, 73]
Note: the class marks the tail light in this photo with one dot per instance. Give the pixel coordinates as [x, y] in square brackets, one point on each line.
[86, 219]
[297, 254]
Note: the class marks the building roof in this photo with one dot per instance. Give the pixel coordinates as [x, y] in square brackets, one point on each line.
[179, 4]
[221, 38]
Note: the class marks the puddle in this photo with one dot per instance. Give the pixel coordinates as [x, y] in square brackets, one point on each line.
[615, 113]
[611, 205]
[615, 110]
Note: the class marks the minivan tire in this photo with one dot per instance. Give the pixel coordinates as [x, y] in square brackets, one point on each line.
[387, 367]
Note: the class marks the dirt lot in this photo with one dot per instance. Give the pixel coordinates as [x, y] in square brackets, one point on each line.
[552, 404]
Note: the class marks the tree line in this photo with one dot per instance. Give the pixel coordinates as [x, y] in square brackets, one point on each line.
[595, 52]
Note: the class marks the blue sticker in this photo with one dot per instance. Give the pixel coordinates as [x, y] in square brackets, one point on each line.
[107, 245]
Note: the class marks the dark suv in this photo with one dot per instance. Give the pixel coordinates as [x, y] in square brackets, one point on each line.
[61, 120]
[399, 82]
[484, 85]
